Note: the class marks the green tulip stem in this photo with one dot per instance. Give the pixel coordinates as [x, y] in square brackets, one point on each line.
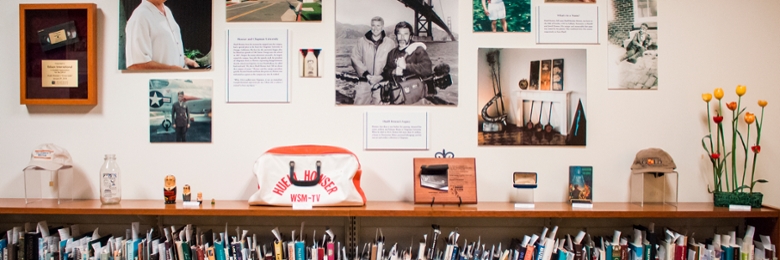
[744, 169]
[755, 154]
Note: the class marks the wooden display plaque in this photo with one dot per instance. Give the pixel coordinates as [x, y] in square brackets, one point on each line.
[58, 54]
[445, 180]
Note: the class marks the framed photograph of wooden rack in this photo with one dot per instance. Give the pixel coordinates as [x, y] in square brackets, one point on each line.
[58, 54]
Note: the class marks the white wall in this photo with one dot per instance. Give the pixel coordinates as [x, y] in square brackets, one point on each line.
[707, 44]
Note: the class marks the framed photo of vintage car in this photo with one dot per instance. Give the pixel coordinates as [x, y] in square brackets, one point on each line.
[445, 181]
[58, 54]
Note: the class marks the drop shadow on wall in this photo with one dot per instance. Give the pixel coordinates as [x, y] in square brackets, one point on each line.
[80, 109]
[250, 188]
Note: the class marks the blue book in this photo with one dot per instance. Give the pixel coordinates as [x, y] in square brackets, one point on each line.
[580, 184]
[300, 250]
[636, 251]
[728, 253]
[219, 250]
[540, 250]
[3, 245]
[63, 252]
[455, 253]
[562, 254]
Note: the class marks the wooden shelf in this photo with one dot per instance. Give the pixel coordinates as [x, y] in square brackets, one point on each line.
[383, 209]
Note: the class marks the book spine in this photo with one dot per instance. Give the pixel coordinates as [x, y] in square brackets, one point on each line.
[540, 250]
[624, 252]
[562, 255]
[300, 252]
[210, 253]
[648, 255]
[636, 251]
[520, 254]
[529, 252]
[236, 249]
[278, 250]
[219, 250]
[577, 251]
[331, 251]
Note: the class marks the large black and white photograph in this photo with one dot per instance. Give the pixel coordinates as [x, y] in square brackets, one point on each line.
[396, 52]
[633, 44]
[160, 35]
[180, 110]
[515, 111]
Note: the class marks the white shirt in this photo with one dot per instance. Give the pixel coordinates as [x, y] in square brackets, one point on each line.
[153, 36]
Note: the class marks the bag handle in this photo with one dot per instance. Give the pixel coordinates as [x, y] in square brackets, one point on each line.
[304, 183]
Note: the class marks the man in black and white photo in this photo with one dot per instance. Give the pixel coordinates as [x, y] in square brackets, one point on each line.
[180, 115]
[368, 58]
[366, 35]
[637, 46]
[410, 59]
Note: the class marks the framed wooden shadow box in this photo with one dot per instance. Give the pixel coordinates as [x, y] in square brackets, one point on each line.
[445, 181]
[58, 57]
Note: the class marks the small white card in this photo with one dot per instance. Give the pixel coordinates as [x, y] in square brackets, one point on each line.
[577, 24]
[302, 206]
[524, 205]
[190, 204]
[739, 208]
[396, 130]
[582, 205]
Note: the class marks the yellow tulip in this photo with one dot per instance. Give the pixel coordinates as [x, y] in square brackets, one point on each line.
[718, 93]
[706, 97]
[761, 103]
[741, 89]
[750, 118]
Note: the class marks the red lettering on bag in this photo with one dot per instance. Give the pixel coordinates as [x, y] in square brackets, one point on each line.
[298, 198]
[309, 175]
[282, 185]
[328, 184]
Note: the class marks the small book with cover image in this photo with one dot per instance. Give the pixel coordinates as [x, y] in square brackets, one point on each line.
[580, 184]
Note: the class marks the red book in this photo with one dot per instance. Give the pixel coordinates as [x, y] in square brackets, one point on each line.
[624, 252]
[680, 252]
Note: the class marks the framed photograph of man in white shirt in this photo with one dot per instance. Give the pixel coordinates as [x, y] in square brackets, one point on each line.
[169, 35]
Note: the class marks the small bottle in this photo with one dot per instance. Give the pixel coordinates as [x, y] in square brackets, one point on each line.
[110, 185]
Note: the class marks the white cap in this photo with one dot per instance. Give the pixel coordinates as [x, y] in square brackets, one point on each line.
[50, 157]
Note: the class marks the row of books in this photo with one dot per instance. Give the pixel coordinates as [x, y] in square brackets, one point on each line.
[188, 243]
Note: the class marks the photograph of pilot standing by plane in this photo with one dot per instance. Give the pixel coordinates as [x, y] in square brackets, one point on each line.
[396, 52]
[180, 110]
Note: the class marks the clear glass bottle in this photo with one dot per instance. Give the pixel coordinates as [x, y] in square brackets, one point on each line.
[110, 181]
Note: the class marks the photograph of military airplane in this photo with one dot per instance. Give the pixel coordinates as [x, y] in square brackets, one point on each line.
[180, 110]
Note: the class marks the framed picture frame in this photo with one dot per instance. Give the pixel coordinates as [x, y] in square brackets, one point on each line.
[58, 54]
[445, 181]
